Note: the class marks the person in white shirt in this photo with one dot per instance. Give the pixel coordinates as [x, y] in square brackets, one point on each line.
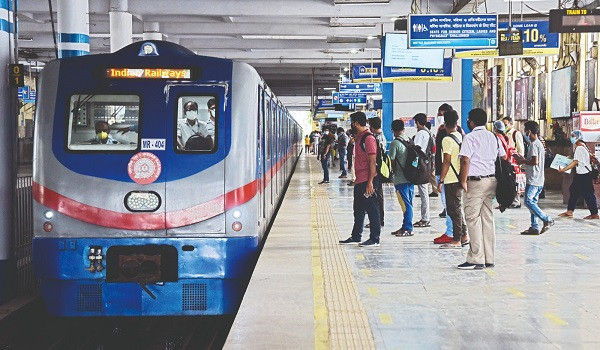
[424, 140]
[582, 185]
[478, 153]
[189, 126]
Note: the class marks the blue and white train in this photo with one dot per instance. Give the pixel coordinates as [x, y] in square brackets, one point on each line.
[132, 218]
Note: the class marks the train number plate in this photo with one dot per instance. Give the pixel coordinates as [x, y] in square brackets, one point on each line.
[153, 144]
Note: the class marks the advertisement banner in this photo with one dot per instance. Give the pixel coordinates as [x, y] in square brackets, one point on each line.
[391, 74]
[364, 73]
[537, 41]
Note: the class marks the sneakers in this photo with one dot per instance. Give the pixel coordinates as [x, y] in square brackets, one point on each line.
[469, 266]
[442, 214]
[350, 240]
[451, 246]
[443, 239]
[547, 226]
[489, 265]
[351, 183]
[342, 177]
[369, 243]
[323, 182]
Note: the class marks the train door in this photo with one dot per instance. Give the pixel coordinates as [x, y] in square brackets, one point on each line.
[199, 122]
[260, 154]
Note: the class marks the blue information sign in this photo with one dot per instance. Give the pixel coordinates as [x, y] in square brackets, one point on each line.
[453, 31]
[348, 98]
[364, 73]
[537, 41]
[325, 103]
[393, 74]
[361, 87]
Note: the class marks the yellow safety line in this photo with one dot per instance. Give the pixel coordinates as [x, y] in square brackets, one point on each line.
[360, 257]
[348, 322]
[386, 319]
[582, 257]
[555, 244]
[516, 292]
[374, 292]
[512, 227]
[490, 272]
[555, 319]
[320, 305]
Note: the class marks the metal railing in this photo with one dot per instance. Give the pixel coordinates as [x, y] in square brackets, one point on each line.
[27, 284]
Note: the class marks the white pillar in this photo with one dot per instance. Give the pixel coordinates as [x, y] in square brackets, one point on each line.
[8, 133]
[73, 28]
[121, 25]
[152, 31]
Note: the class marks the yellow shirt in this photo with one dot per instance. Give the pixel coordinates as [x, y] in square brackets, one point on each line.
[307, 141]
[449, 146]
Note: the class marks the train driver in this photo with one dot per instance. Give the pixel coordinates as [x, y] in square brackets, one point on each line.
[103, 134]
[189, 126]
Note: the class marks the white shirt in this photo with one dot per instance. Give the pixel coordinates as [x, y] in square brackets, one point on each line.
[422, 139]
[482, 147]
[583, 160]
[185, 130]
[210, 128]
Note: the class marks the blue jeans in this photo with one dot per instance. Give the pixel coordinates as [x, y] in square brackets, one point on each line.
[342, 154]
[324, 161]
[371, 207]
[405, 193]
[532, 194]
[449, 227]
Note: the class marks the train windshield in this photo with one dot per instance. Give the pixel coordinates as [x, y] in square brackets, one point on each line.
[103, 122]
[196, 123]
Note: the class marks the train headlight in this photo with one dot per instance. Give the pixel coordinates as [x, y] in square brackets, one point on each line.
[142, 201]
[237, 214]
[48, 214]
[236, 226]
[48, 226]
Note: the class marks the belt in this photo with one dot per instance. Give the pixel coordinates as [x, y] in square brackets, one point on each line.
[478, 178]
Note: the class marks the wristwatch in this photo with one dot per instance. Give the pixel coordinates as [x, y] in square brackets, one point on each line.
[441, 182]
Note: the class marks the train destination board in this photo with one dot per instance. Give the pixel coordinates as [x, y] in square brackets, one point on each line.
[453, 31]
[149, 73]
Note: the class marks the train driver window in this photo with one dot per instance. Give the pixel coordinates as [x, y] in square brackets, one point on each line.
[103, 122]
[196, 123]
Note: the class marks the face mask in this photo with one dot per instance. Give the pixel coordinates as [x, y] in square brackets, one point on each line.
[102, 135]
[573, 140]
[191, 115]
[527, 138]
[439, 120]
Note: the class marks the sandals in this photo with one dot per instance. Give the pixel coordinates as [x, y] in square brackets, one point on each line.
[566, 214]
[422, 223]
[403, 233]
[465, 243]
[592, 217]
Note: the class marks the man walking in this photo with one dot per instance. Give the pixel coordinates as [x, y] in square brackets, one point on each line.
[478, 152]
[423, 139]
[365, 198]
[534, 170]
[449, 180]
[341, 147]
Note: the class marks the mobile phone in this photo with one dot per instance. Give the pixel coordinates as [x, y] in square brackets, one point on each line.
[366, 195]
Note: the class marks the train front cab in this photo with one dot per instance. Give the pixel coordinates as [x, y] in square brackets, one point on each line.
[141, 228]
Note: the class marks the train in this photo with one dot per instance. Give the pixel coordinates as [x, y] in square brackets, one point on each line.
[156, 173]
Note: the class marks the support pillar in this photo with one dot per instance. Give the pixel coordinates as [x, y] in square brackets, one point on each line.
[73, 28]
[152, 31]
[466, 103]
[387, 105]
[121, 26]
[8, 134]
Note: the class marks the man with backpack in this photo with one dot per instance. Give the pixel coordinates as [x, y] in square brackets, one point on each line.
[365, 197]
[449, 180]
[479, 151]
[423, 140]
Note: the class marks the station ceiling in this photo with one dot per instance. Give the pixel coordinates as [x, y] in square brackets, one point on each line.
[285, 40]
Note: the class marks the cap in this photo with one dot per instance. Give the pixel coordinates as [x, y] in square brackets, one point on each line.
[499, 124]
[578, 134]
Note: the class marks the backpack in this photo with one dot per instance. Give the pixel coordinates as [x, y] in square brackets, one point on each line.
[506, 190]
[383, 163]
[418, 166]
[459, 147]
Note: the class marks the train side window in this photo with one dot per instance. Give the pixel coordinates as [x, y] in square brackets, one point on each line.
[197, 122]
[103, 122]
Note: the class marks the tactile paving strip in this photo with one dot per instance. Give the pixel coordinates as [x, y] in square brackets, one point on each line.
[345, 315]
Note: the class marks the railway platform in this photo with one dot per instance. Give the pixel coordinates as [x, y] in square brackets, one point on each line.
[307, 291]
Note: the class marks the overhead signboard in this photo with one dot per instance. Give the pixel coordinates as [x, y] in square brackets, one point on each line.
[537, 41]
[391, 74]
[325, 103]
[361, 87]
[511, 42]
[366, 73]
[575, 21]
[453, 31]
[395, 53]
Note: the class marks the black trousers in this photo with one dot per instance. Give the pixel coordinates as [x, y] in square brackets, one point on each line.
[583, 186]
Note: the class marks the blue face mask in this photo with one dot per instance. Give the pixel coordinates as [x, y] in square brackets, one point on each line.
[573, 140]
[527, 138]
